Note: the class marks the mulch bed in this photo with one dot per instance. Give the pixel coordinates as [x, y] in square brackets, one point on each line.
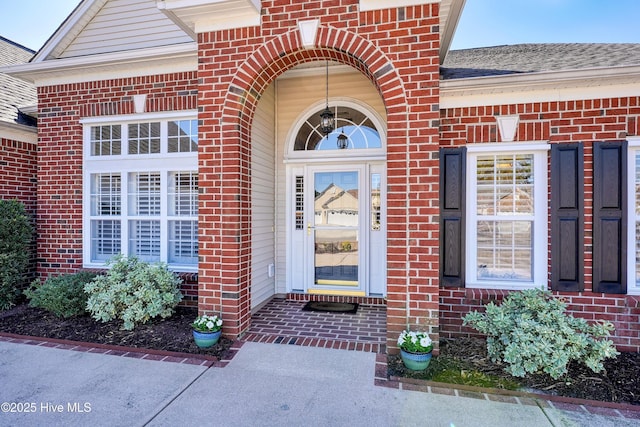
[619, 382]
[171, 334]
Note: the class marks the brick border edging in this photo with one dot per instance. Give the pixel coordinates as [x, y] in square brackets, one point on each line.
[319, 342]
[593, 407]
[133, 352]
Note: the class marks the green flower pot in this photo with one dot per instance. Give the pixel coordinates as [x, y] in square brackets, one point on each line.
[206, 339]
[415, 361]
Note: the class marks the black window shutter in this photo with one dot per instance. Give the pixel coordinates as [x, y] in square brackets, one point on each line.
[610, 217]
[567, 217]
[452, 216]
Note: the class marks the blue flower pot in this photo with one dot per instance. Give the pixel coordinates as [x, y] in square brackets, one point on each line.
[415, 361]
[206, 339]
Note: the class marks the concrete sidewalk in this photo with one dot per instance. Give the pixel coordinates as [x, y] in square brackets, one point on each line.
[264, 385]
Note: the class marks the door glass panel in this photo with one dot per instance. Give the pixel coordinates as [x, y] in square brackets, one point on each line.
[375, 202]
[336, 219]
[336, 257]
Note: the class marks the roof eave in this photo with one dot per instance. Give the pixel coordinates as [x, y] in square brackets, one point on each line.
[68, 30]
[542, 78]
[18, 132]
[548, 86]
[448, 28]
[159, 60]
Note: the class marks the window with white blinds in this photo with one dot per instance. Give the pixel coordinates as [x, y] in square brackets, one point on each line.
[507, 217]
[142, 200]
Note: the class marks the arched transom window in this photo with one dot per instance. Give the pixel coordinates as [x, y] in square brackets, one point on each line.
[360, 132]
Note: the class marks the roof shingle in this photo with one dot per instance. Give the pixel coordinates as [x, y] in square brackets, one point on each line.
[15, 93]
[528, 58]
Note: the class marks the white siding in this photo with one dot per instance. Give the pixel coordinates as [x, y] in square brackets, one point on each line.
[123, 25]
[295, 95]
[262, 199]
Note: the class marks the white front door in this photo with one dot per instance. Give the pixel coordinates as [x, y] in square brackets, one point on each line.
[338, 240]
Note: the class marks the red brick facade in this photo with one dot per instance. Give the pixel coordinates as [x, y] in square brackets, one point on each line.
[60, 152]
[397, 50]
[18, 170]
[18, 178]
[557, 122]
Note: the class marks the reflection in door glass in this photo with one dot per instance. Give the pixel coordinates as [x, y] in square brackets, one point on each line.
[336, 213]
[336, 258]
[375, 201]
[336, 199]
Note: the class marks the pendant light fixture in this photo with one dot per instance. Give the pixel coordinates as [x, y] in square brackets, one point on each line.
[343, 140]
[326, 117]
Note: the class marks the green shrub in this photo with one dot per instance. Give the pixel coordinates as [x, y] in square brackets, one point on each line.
[133, 291]
[62, 295]
[16, 234]
[531, 333]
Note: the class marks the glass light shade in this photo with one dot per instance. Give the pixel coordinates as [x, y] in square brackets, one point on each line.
[326, 121]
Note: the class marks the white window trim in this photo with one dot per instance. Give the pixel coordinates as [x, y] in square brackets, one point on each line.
[370, 154]
[541, 224]
[162, 162]
[634, 147]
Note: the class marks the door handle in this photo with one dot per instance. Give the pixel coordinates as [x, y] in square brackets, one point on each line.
[309, 227]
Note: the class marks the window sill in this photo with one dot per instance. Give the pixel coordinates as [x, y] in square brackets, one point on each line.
[186, 276]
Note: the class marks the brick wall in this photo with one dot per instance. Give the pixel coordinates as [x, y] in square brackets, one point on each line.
[557, 122]
[397, 49]
[18, 179]
[18, 172]
[59, 218]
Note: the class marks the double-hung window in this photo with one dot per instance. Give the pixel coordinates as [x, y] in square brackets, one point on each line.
[507, 224]
[141, 189]
[633, 237]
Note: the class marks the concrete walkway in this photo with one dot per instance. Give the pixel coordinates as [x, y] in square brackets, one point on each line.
[264, 385]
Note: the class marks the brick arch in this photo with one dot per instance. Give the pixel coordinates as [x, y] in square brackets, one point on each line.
[284, 52]
[252, 78]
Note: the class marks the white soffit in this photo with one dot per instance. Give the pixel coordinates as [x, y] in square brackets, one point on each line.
[158, 60]
[450, 12]
[199, 16]
[16, 132]
[546, 86]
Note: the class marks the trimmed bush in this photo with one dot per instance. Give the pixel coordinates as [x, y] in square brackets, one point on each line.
[133, 291]
[62, 295]
[531, 333]
[16, 234]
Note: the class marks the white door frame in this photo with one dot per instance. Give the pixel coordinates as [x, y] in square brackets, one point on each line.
[372, 238]
[359, 288]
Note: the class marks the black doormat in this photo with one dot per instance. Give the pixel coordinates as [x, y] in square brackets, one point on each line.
[331, 307]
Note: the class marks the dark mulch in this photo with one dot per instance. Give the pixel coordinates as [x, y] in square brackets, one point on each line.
[171, 334]
[619, 382]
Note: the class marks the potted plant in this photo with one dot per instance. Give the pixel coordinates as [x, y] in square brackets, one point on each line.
[207, 330]
[415, 349]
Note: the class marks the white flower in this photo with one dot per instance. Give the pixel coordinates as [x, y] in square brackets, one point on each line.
[425, 341]
[210, 324]
[219, 322]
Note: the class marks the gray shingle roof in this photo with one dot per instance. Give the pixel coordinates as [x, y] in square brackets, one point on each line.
[527, 58]
[15, 93]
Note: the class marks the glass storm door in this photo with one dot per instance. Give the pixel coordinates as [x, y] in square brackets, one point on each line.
[334, 235]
